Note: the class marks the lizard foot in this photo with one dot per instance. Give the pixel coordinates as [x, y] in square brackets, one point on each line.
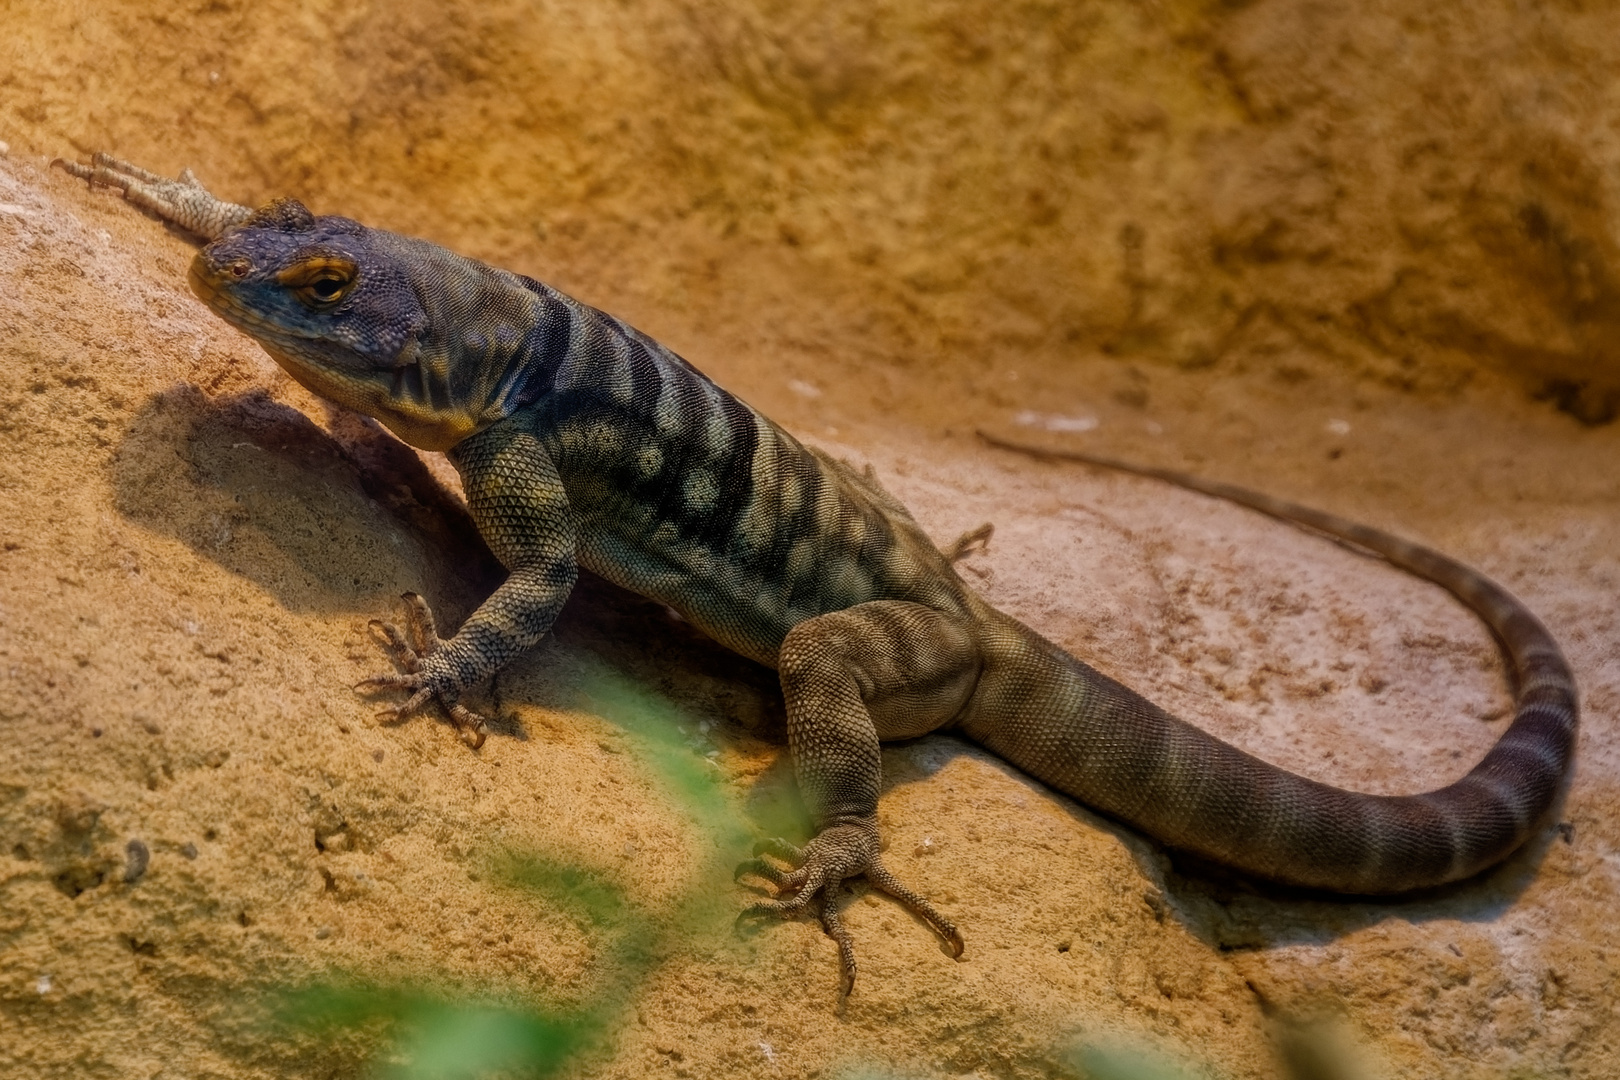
[185, 202]
[817, 871]
[410, 649]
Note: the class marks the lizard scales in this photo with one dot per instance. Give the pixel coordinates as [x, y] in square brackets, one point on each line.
[581, 441]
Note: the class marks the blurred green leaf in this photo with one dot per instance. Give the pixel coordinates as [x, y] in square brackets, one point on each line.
[439, 1039]
[1092, 1062]
[434, 1038]
[656, 725]
[571, 888]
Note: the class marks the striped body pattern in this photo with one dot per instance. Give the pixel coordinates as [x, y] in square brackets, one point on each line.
[582, 442]
[688, 496]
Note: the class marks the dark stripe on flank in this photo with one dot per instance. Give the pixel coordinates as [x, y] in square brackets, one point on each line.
[684, 452]
[791, 467]
[734, 477]
[646, 380]
[803, 524]
[546, 344]
[534, 367]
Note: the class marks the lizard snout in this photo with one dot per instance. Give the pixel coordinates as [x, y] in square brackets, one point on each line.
[208, 274]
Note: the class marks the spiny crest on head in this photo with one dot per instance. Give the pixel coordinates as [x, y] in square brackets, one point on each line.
[283, 215]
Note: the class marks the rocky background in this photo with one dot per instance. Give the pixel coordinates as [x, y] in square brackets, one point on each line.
[1360, 255]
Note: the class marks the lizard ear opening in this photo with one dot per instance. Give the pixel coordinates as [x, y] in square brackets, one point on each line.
[284, 215]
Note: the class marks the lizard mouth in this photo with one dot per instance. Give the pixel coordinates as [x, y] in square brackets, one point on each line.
[204, 285]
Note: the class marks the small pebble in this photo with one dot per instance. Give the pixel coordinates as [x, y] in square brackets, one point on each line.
[1071, 424]
[189, 850]
[139, 856]
[322, 933]
[5, 148]
[376, 755]
[42, 985]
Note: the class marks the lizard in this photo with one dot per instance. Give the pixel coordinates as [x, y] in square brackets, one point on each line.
[582, 442]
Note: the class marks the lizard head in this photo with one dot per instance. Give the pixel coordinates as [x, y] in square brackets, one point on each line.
[363, 317]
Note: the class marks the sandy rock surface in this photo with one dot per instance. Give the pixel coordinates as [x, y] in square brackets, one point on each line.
[1357, 255]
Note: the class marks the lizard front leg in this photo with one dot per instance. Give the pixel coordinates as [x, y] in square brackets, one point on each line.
[881, 670]
[519, 505]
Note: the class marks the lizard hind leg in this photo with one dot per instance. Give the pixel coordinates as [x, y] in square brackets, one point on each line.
[885, 669]
[409, 648]
[183, 202]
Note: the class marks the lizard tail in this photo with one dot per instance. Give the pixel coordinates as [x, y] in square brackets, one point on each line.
[1093, 738]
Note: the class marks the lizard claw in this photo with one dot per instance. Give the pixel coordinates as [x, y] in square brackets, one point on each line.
[832, 924]
[410, 649]
[816, 875]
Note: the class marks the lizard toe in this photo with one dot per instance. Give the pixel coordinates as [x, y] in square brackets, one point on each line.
[395, 713]
[832, 924]
[389, 681]
[779, 848]
[397, 644]
[474, 729]
[760, 868]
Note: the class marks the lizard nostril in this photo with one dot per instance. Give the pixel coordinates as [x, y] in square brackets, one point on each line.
[238, 268]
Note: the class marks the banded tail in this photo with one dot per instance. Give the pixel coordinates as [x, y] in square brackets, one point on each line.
[1109, 747]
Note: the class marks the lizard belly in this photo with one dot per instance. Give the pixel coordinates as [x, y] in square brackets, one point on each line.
[742, 615]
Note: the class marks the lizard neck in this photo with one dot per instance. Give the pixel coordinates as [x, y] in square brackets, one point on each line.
[492, 345]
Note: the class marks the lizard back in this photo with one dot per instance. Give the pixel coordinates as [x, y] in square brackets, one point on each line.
[687, 495]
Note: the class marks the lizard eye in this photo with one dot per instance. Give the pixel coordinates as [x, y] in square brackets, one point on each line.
[320, 283]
